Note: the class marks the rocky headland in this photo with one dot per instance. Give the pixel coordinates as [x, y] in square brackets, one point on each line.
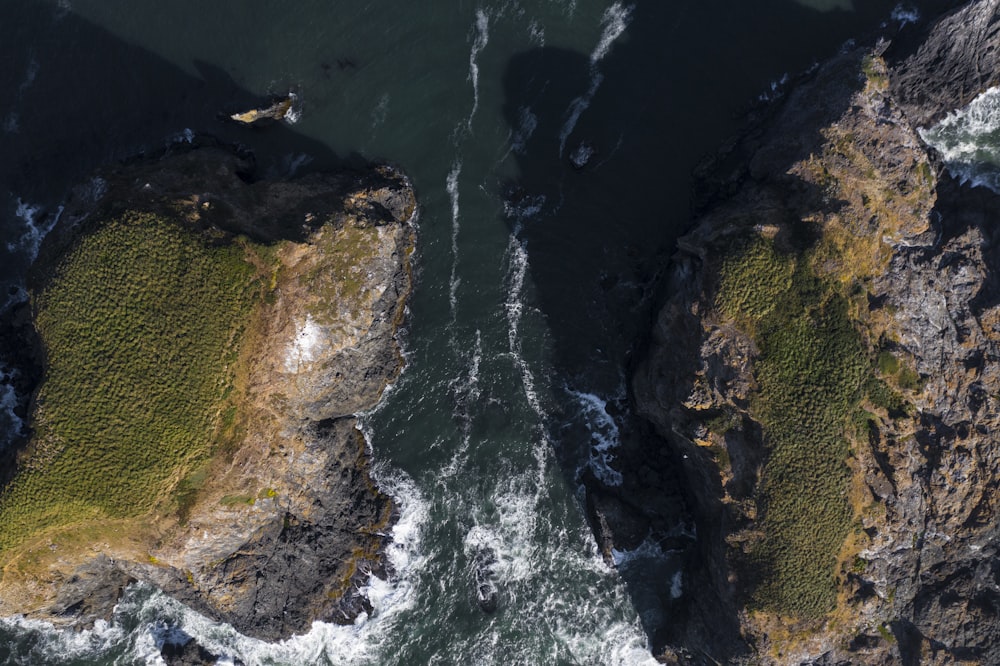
[206, 340]
[824, 373]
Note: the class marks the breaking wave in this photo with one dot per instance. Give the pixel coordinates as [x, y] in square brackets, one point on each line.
[969, 141]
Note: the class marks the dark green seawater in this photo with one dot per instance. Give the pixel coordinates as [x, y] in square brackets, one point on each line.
[551, 143]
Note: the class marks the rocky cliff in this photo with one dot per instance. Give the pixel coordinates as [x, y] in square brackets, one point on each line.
[824, 370]
[265, 515]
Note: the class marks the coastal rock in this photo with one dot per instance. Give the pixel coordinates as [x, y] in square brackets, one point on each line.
[283, 523]
[276, 111]
[841, 217]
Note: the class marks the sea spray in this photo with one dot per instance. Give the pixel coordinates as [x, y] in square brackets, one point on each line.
[969, 141]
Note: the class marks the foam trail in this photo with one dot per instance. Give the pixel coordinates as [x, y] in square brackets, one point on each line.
[615, 21]
[514, 306]
[465, 395]
[451, 185]
[969, 141]
[478, 44]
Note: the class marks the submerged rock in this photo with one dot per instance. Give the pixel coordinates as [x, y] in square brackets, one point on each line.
[267, 516]
[484, 579]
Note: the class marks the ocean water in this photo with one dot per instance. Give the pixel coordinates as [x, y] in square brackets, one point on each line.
[968, 140]
[551, 143]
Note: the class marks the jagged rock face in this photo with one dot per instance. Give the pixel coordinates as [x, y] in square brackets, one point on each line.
[287, 522]
[958, 60]
[917, 579]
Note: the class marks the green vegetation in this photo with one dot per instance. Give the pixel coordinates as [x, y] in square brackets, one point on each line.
[874, 70]
[752, 280]
[232, 500]
[813, 373]
[142, 321]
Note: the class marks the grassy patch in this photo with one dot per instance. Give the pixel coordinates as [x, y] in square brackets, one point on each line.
[812, 374]
[142, 321]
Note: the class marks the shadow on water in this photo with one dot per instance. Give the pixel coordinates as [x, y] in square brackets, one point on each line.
[679, 82]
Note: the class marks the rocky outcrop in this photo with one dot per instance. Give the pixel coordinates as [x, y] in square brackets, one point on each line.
[285, 523]
[956, 61]
[841, 221]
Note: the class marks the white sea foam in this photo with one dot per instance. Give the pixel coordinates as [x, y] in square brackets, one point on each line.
[64, 645]
[603, 436]
[160, 616]
[775, 89]
[480, 39]
[615, 21]
[8, 403]
[35, 230]
[581, 156]
[969, 141]
[451, 184]
[514, 306]
[510, 534]
[294, 114]
[537, 33]
[467, 392]
[525, 208]
[903, 14]
[648, 549]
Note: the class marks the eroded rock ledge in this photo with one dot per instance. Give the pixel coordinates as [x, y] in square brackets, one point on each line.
[279, 522]
[825, 368]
